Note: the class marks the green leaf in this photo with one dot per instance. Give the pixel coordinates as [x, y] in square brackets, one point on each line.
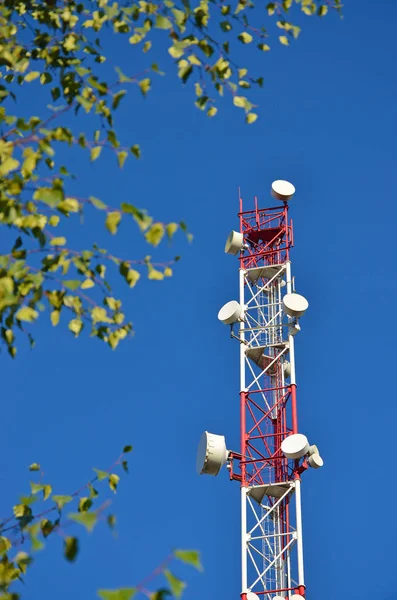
[53, 220]
[127, 449]
[87, 519]
[84, 504]
[97, 203]
[170, 229]
[136, 150]
[155, 275]
[111, 520]
[160, 594]
[35, 542]
[155, 234]
[60, 501]
[322, 10]
[31, 76]
[240, 101]
[113, 481]
[36, 487]
[9, 164]
[50, 196]
[71, 284]
[251, 118]
[120, 594]
[177, 585]
[95, 152]
[264, 47]
[190, 557]
[112, 221]
[75, 326]
[101, 474]
[47, 489]
[5, 545]
[130, 275]
[99, 315]
[27, 314]
[71, 548]
[121, 158]
[245, 38]
[162, 22]
[55, 315]
[47, 527]
[117, 97]
[144, 84]
[34, 467]
[58, 241]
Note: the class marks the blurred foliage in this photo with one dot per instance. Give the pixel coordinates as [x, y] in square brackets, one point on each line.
[41, 514]
[57, 45]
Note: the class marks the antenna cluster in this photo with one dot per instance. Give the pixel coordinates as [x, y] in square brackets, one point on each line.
[273, 453]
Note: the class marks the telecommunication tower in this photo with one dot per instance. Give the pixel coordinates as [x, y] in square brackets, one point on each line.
[273, 454]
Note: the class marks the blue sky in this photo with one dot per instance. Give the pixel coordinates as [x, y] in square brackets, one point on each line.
[327, 123]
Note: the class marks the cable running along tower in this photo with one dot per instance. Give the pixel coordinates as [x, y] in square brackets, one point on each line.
[273, 454]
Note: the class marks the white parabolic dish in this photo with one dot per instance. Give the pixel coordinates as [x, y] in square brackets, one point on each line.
[252, 596]
[211, 453]
[282, 190]
[295, 305]
[315, 461]
[234, 242]
[230, 312]
[295, 446]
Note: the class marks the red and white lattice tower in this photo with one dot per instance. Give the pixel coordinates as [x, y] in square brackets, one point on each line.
[273, 454]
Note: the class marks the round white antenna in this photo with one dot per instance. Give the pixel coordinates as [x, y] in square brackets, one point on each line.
[312, 450]
[278, 598]
[315, 460]
[287, 369]
[252, 596]
[295, 446]
[297, 597]
[295, 305]
[234, 243]
[211, 454]
[282, 190]
[230, 312]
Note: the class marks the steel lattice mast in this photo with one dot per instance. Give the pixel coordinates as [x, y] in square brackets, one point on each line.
[273, 455]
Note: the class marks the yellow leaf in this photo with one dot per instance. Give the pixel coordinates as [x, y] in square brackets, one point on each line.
[32, 76]
[95, 152]
[284, 40]
[55, 315]
[245, 38]
[251, 118]
[58, 241]
[175, 52]
[239, 101]
[167, 272]
[88, 283]
[112, 221]
[155, 234]
[53, 220]
[155, 275]
[10, 164]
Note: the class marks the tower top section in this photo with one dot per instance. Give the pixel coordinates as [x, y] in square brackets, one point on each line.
[266, 234]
